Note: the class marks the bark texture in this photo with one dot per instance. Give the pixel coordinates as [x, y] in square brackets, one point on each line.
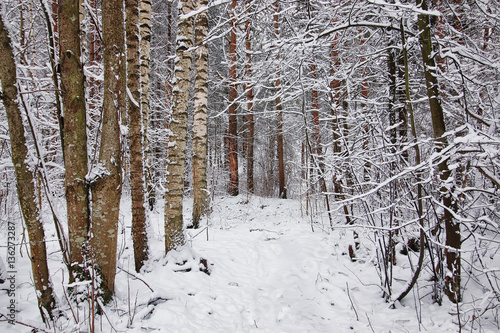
[233, 121]
[174, 234]
[145, 55]
[75, 133]
[279, 108]
[200, 117]
[24, 177]
[249, 90]
[135, 135]
[106, 188]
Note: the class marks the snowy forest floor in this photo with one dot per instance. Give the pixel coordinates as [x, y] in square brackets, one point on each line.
[269, 272]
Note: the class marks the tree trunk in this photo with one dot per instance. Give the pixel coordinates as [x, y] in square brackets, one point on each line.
[106, 188]
[364, 103]
[317, 150]
[200, 117]
[233, 121]
[452, 282]
[135, 135]
[145, 46]
[174, 236]
[279, 108]
[249, 90]
[75, 134]
[24, 177]
[169, 81]
[339, 128]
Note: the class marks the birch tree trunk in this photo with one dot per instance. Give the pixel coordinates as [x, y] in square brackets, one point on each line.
[233, 121]
[200, 194]
[174, 235]
[106, 188]
[453, 244]
[135, 135]
[145, 56]
[75, 134]
[24, 177]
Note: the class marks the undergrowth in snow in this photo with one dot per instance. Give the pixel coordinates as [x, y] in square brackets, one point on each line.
[256, 265]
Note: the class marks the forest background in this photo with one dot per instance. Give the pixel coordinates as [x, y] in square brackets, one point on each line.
[379, 115]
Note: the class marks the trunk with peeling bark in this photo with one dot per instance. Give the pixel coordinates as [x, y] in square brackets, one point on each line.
[106, 188]
[24, 177]
[200, 194]
[135, 135]
[75, 134]
[174, 234]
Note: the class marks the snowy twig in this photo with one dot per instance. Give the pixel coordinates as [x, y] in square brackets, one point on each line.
[37, 329]
[138, 278]
[106, 315]
[68, 300]
[192, 237]
[369, 322]
[350, 299]
[489, 175]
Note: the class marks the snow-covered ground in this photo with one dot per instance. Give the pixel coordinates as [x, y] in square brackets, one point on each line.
[270, 271]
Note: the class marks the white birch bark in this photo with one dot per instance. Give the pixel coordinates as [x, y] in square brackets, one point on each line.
[200, 117]
[174, 236]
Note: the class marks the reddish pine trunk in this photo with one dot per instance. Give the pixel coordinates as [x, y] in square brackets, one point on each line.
[251, 124]
[233, 122]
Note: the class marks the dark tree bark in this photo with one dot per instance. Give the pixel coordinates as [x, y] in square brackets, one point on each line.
[135, 132]
[106, 188]
[452, 282]
[233, 121]
[75, 134]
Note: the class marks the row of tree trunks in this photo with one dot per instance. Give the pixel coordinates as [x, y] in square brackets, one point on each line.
[25, 179]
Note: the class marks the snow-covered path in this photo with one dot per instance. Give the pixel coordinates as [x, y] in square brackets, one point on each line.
[271, 273]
